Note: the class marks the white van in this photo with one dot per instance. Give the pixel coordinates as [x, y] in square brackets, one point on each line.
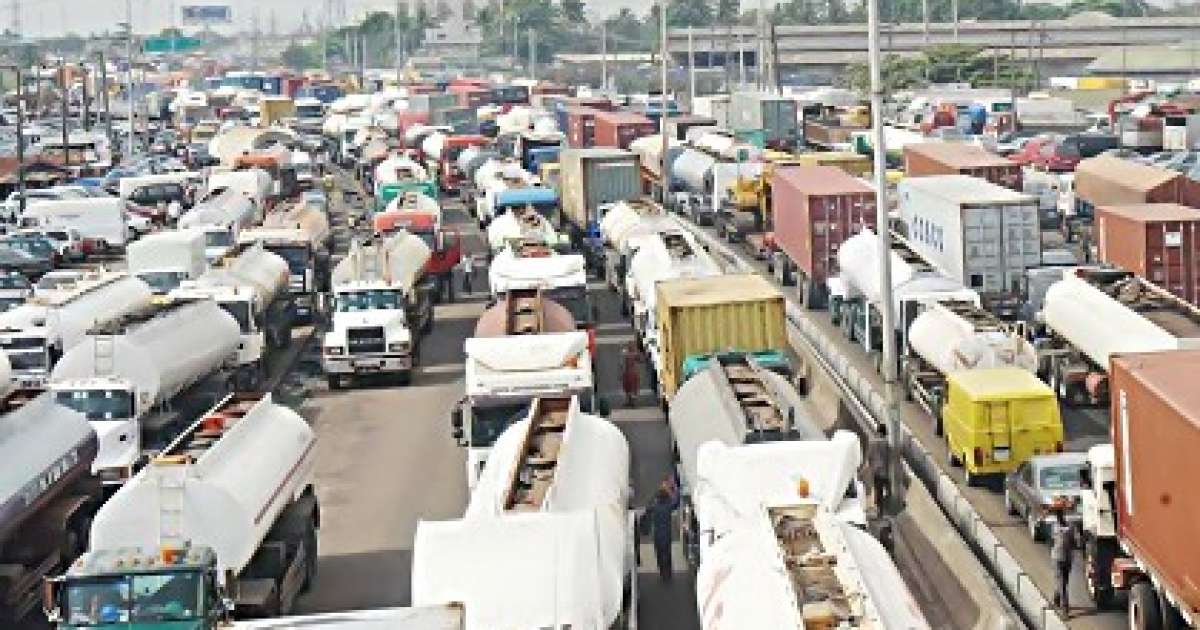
[102, 219]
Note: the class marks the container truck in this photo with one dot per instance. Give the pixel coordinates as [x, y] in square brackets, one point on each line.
[49, 496]
[669, 253]
[252, 286]
[534, 147]
[924, 159]
[1158, 242]
[547, 536]
[581, 127]
[1111, 181]
[36, 334]
[814, 209]
[421, 216]
[1092, 314]
[778, 549]
[505, 373]
[951, 335]
[977, 233]
[221, 524]
[301, 236]
[561, 277]
[773, 116]
[164, 259]
[735, 312]
[382, 306]
[138, 377]
[590, 178]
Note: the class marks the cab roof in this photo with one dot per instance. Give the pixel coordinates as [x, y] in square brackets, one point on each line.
[995, 384]
[126, 560]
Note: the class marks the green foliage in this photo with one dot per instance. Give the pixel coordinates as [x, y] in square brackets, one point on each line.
[684, 13]
[299, 57]
[942, 64]
[572, 11]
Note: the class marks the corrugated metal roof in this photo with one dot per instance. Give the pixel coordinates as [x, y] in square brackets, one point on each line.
[965, 189]
[717, 290]
[958, 154]
[1147, 212]
[1131, 174]
[822, 180]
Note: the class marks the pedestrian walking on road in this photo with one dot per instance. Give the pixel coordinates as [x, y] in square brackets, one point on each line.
[467, 267]
[631, 372]
[657, 519]
[1062, 552]
[877, 461]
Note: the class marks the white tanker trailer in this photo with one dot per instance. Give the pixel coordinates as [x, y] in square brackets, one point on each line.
[36, 334]
[1092, 314]
[951, 336]
[301, 236]
[222, 522]
[138, 376]
[547, 537]
[625, 226]
[221, 218]
[521, 225]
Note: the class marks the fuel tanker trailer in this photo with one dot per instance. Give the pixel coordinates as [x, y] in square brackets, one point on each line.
[222, 523]
[421, 215]
[301, 236]
[522, 225]
[139, 377]
[625, 227]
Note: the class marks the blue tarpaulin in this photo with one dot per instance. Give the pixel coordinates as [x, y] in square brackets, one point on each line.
[535, 196]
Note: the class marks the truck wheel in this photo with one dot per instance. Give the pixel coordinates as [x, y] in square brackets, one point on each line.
[969, 478]
[404, 378]
[1144, 612]
[1033, 525]
[1097, 564]
[335, 382]
[310, 563]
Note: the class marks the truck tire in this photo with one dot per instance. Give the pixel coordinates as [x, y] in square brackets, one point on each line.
[335, 382]
[1097, 564]
[1144, 610]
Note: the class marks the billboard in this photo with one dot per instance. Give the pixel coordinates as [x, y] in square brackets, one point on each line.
[207, 14]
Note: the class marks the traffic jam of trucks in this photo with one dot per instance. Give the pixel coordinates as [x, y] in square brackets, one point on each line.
[1039, 319]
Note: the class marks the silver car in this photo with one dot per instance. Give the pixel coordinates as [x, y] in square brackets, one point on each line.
[1036, 486]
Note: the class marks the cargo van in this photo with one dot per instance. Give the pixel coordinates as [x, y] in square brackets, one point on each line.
[995, 419]
[102, 219]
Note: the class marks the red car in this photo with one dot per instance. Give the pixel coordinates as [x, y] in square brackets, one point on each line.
[1051, 153]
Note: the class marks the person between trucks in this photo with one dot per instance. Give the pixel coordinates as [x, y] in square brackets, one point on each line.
[174, 211]
[631, 376]
[877, 460]
[467, 267]
[657, 522]
[1062, 551]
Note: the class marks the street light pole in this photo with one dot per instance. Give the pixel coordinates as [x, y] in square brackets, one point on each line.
[108, 126]
[396, 40]
[129, 70]
[662, 109]
[63, 107]
[20, 140]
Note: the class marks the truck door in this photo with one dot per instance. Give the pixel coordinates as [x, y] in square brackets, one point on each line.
[998, 426]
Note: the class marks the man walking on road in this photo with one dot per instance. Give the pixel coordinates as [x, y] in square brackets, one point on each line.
[467, 267]
[1062, 551]
[657, 520]
[631, 377]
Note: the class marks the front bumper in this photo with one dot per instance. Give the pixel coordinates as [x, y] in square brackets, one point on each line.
[367, 364]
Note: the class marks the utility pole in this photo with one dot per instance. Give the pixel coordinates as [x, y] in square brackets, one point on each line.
[108, 126]
[892, 421]
[20, 139]
[396, 37]
[254, 34]
[85, 101]
[516, 38]
[954, 18]
[129, 69]
[925, 21]
[533, 54]
[662, 110]
[325, 37]
[604, 55]
[760, 62]
[691, 68]
[64, 100]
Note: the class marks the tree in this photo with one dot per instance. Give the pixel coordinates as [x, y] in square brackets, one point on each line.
[683, 13]
[572, 11]
[299, 57]
[727, 11]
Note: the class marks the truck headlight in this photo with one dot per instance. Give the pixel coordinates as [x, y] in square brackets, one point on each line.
[334, 351]
[399, 348]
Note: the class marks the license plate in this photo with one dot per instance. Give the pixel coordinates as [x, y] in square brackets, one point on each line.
[367, 366]
[1000, 454]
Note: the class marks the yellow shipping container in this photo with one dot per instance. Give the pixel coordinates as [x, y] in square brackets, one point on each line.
[997, 418]
[853, 163]
[702, 315]
[550, 175]
[273, 109]
[1101, 83]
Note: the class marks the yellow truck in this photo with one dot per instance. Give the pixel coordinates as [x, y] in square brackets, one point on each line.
[701, 316]
[274, 109]
[997, 418]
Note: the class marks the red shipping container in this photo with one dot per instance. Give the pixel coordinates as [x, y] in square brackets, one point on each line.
[814, 210]
[1155, 437]
[618, 129]
[1157, 241]
[581, 127]
[594, 102]
[407, 119]
[955, 158]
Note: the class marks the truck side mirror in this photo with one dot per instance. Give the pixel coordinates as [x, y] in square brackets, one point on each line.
[50, 600]
[456, 419]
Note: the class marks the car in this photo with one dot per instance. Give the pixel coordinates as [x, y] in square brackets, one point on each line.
[16, 260]
[1052, 153]
[1040, 484]
[15, 288]
[35, 245]
[68, 243]
[57, 279]
[1010, 142]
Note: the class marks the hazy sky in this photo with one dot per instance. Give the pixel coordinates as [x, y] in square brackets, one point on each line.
[54, 17]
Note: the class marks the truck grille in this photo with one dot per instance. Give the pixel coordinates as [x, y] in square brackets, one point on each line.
[366, 340]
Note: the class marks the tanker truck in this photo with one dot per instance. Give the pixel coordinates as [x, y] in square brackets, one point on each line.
[221, 217]
[547, 537]
[49, 496]
[954, 335]
[1137, 502]
[222, 523]
[524, 346]
[301, 236]
[382, 306]
[165, 259]
[251, 284]
[522, 225]
[560, 277]
[625, 226]
[138, 377]
[36, 334]
[778, 550]
[399, 174]
[1092, 314]
[421, 216]
[494, 178]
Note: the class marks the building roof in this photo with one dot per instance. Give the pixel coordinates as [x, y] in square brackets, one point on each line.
[1143, 59]
[1148, 212]
[822, 180]
[958, 154]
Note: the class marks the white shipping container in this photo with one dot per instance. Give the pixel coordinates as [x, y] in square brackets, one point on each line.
[980, 234]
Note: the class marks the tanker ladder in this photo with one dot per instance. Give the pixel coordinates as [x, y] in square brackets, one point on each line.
[924, 383]
[537, 460]
[524, 312]
[761, 412]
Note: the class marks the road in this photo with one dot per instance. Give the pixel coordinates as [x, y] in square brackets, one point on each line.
[1084, 427]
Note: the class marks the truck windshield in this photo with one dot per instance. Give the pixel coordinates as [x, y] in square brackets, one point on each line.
[98, 404]
[1060, 477]
[9, 303]
[162, 282]
[367, 301]
[296, 257]
[240, 311]
[27, 359]
[218, 238]
[488, 423]
[152, 597]
[574, 299]
[310, 111]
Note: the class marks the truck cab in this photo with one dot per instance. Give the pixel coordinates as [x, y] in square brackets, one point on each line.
[369, 334]
[306, 263]
[111, 406]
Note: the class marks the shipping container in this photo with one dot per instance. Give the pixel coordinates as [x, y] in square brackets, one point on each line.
[591, 177]
[739, 312]
[677, 126]
[1155, 436]
[619, 129]
[948, 158]
[980, 234]
[815, 209]
[581, 127]
[407, 119]
[1107, 180]
[772, 115]
[430, 103]
[853, 163]
[1159, 242]
[714, 107]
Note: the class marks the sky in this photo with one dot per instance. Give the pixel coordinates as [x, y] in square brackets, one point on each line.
[43, 18]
